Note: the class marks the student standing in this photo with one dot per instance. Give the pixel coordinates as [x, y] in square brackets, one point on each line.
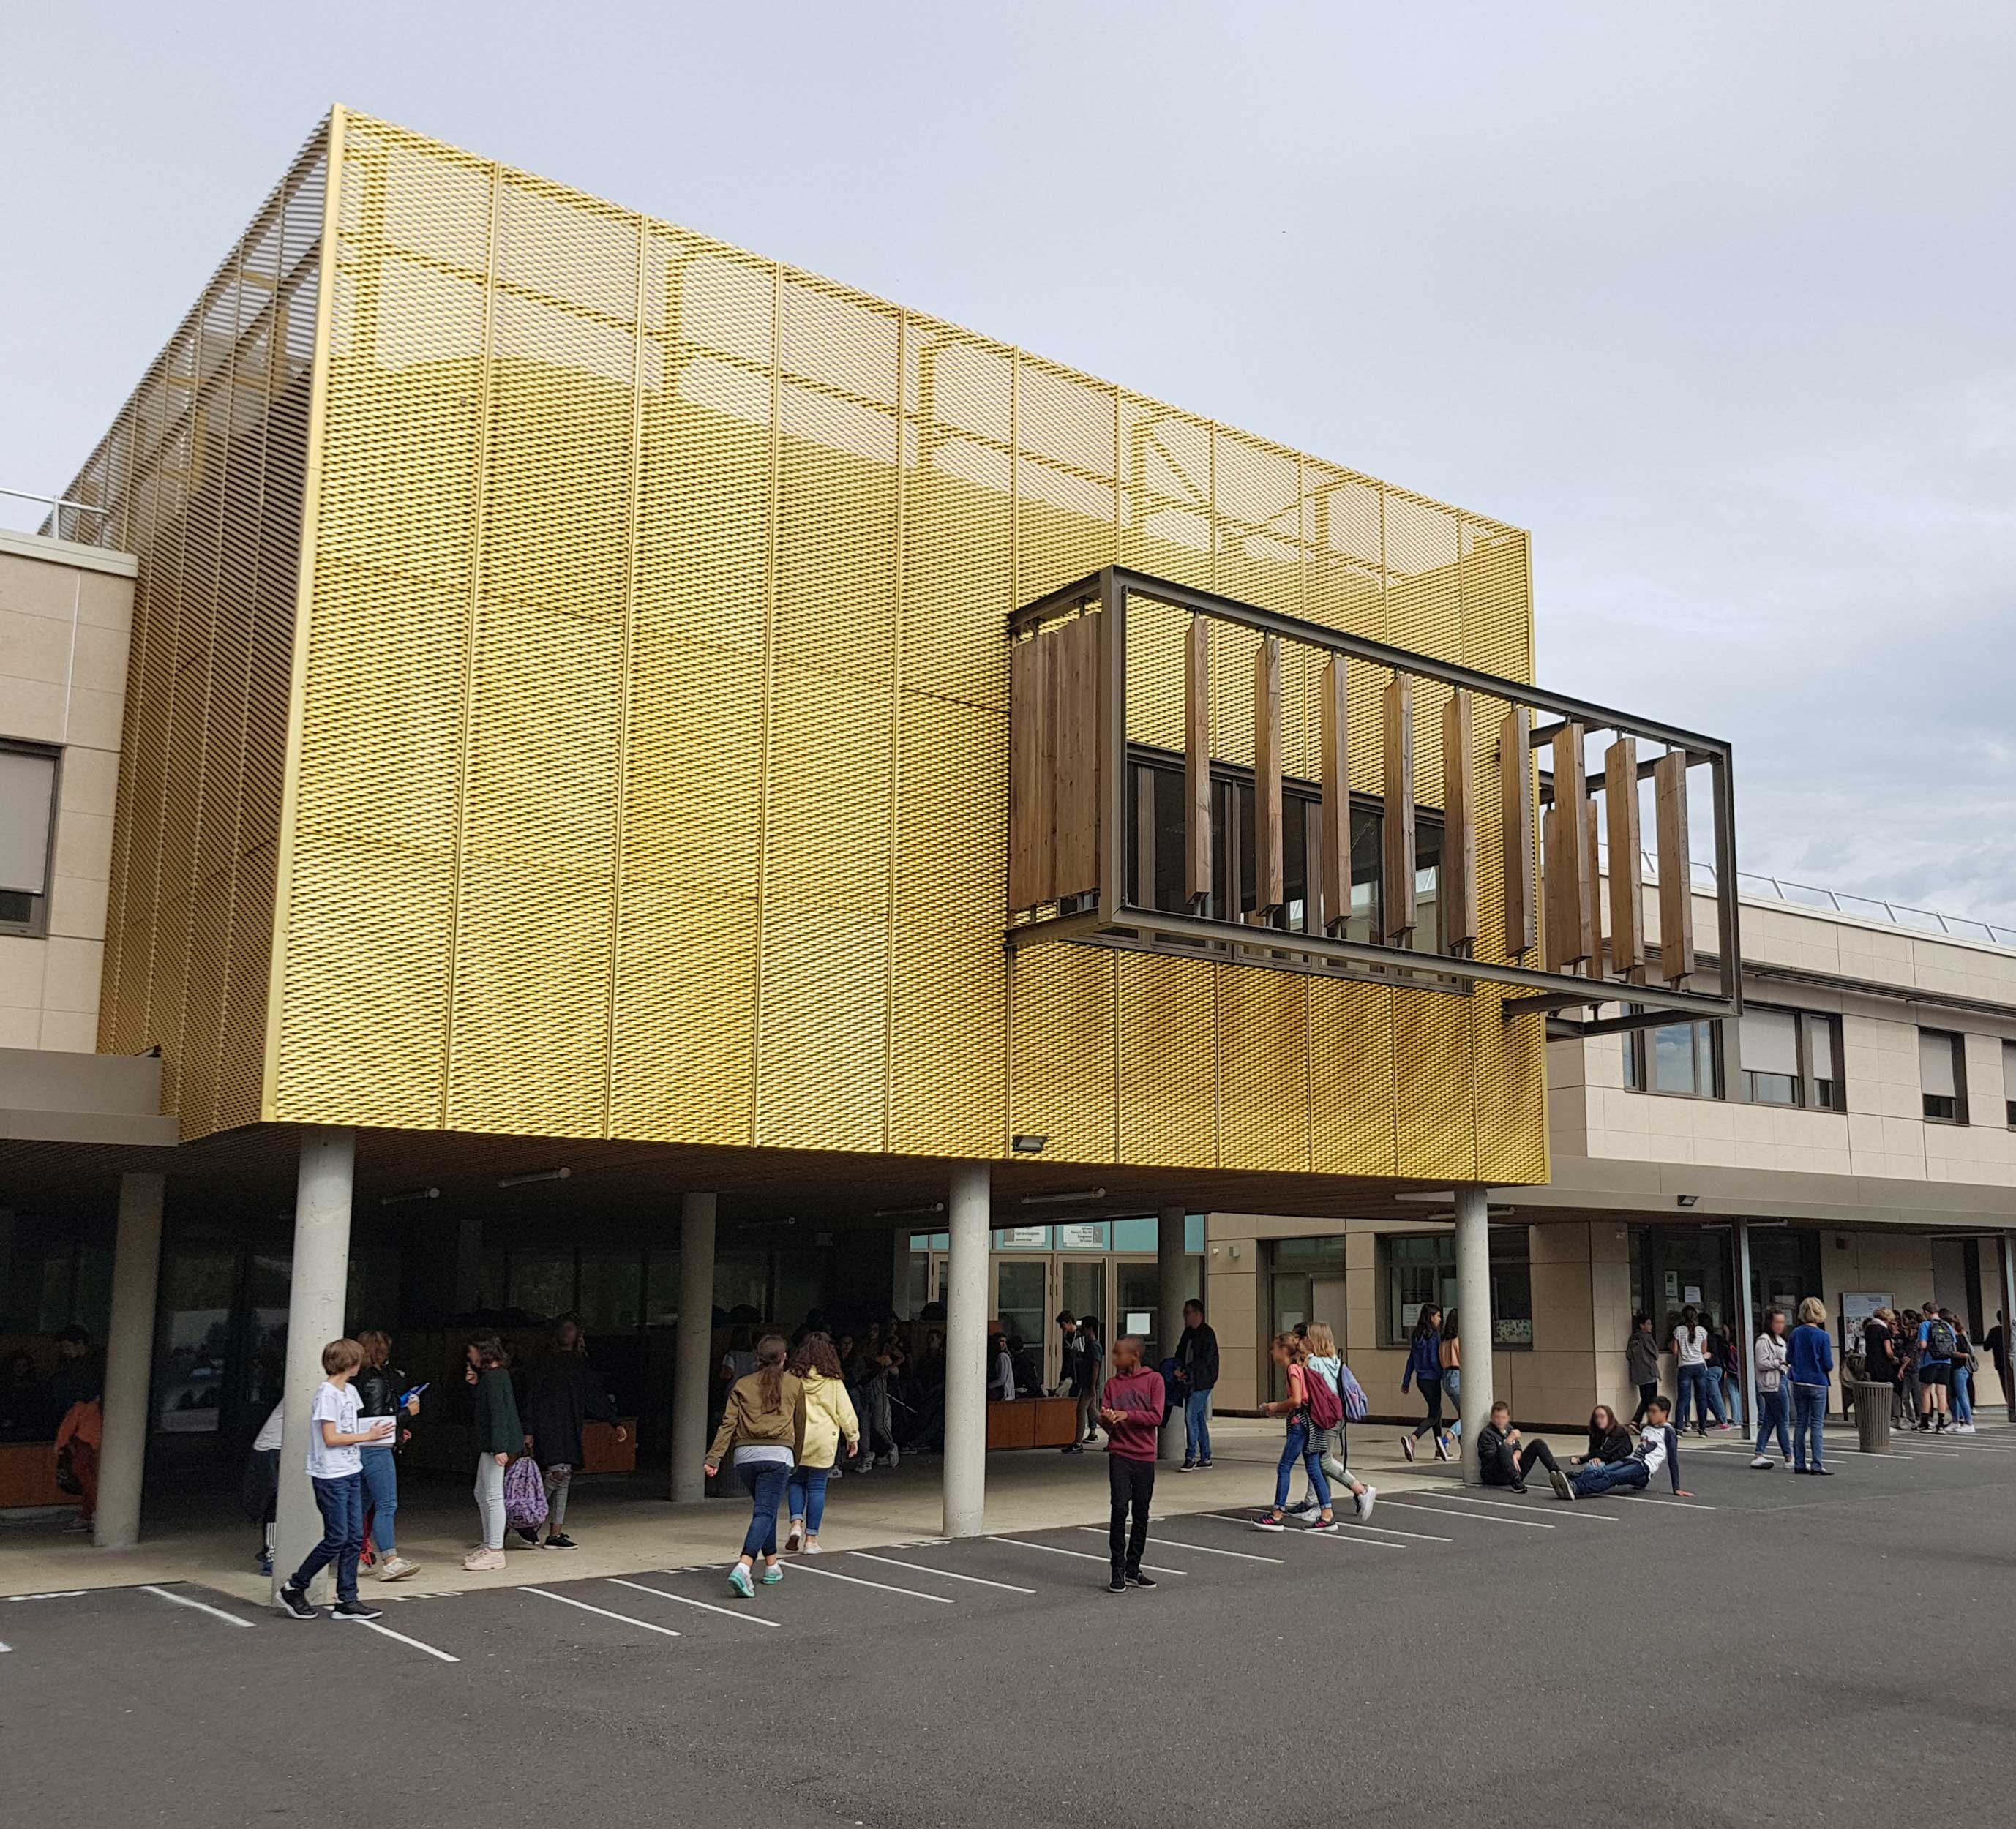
[1449, 1351]
[1197, 1376]
[1810, 1362]
[379, 1387]
[1131, 1409]
[1962, 1375]
[563, 1392]
[1691, 1357]
[1726, 1355]
[335, 1472]
[1502, 1460]
[1291, 1353]
[830, 1422]
[499, 1435]
[1771, 1358]
[763, 1426]
[1937, 1342]
[1424, 1371]
[1879, 1360]
[1641, 1363]
[1081, 1381]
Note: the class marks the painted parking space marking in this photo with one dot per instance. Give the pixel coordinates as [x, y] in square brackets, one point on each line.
[1080, 1555]
[386, 1631]
[704, 1606]
[949, 1574]
[568, 1601]
[1092, 1530]
[1345, 1527]
[1645, 1499]
[1516, 1505]
[861, 1581]
[199, 1606]
[54, 1594]
[1475, 1517]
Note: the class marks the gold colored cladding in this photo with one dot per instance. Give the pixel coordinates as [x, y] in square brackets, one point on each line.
[907, 465]
[201, 476]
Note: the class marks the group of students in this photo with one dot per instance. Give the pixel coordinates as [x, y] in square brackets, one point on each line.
[1619, 1456]
[1928, 1360]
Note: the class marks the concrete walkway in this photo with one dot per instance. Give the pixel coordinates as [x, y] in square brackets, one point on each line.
[622, 1526]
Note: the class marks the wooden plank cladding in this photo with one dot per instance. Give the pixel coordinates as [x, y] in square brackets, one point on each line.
[1515, 798]
[1676, 901]
[1053, 808]
[1197, 762]
[1458, 865]
[1269, 881]
[1627, 898]
[1335, 876]
[1571, 938]
[1397, 899]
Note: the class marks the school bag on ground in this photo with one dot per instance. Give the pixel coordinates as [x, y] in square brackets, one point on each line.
[524, 1494]
[1326, 1408]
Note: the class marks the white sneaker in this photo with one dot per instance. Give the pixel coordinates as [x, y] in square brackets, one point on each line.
[1963, 1429]
[1762, 1460]
[1365, 1501]
[1441, 1447]
[396, 1568]
[1407, 1447]
[794, 1538]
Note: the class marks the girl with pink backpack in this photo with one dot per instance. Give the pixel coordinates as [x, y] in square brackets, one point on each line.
[1312, 1406]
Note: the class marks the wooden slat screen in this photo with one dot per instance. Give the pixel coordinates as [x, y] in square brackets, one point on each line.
[1196, 762]
[1627, 898]
[1459, 869]
[1336, 861]
[1031, 858]
[1676, 902]
[1268, 876]
[1515, 797]
[1570, 941]
[1397, 898]
[1074, 738]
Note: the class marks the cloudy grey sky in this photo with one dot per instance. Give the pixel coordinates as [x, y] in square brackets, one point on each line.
[1717, 299]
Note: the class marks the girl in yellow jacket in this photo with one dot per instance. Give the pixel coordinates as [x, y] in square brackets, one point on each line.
[829, 1420]
[763, 1427]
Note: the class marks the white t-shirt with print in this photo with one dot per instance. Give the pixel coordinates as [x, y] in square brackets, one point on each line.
[337, 1404]
[1690, 1345]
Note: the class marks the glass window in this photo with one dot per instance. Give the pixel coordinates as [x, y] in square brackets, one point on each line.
[1134, 1235]
[1368, 871]
[1768, 1047]
[1419, 1271]
[612, 1286]
[542, 1283]
[27, 822]
[1084, 1235]
[1511, 1286]
[1427, 936]
[1680, 1057]
[662, 1285]
[1942, 1076]
[2009, 1081]
[1822, 1036]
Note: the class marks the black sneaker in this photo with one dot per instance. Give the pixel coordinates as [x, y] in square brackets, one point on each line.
[529, 1538]
[1137, 1579]
[559, 1540]
[1187, 1467]
[355, 1610]
[297, 1605]
[1117, 1585]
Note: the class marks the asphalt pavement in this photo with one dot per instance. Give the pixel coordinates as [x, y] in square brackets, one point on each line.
[1774, 1651]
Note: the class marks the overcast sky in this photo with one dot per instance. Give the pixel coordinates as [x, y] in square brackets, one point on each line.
[1716, 298]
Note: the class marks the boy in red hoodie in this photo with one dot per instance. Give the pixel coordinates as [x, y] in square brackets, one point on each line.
[1131, 1410]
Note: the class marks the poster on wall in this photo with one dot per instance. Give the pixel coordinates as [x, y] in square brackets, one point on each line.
[1088, 1236]
[1694, 1295]
[1856, 1306]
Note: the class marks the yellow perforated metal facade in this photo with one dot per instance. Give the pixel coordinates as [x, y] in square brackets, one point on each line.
[648, 764]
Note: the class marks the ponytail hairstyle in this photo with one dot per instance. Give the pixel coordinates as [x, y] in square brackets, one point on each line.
[770, 1351]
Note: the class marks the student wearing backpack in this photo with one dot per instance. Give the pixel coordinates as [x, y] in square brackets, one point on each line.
[1810, 1361]
[763, 1426]
[1425, 1372]
[1333, 1445]
[1938, 1342]
[1311, 1405]
[1197, 1376]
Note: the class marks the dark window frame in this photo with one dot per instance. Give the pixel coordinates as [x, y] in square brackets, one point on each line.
[1957, 1112]
[1511, 1269]
[22, 915]
[1806, 1083]
[1638, 1044]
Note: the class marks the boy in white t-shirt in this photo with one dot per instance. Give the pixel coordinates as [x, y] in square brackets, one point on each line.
[337, 1475]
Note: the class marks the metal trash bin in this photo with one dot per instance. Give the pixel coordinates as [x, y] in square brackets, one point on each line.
[1872, 1416]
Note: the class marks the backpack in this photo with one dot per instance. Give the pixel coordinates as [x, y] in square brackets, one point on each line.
[524, 1494]
[1326, 1411]
[1941, 1342]
[1357, 1407]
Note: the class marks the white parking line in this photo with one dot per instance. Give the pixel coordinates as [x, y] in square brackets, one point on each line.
[1514, 1505]
[862, 1582]
[431, 1650]
[1475, 1518]
[1081, 1555]
[5, 1648]
[57, 1594]
[950, 1575]
[568, 1601]
[1641, 1499]
[201, 1606]
[704, 1606]
[1092, 1530]
[1345, 1527]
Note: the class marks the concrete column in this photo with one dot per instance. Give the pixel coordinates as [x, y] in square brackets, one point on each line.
[1472, 1301]
[692, 1371]
[129, 1358]
[314, 1317]
[1169, 1280]
[970, 1217]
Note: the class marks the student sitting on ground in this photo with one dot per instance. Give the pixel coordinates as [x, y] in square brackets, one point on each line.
[1659, 1446]
[1502, 1459]
[1608, 1438]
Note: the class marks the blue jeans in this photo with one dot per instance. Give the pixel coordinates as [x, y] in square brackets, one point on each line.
[1196, 1426]
[1302, 1445]
[1963, 1393]
[340, 1501]
[1728, 1388]
[806, 1488]
[381, 1495]
[1771, 1409]
[764, 1482]
[1808, 1417]
[1603, 1476]
[1693, 1386]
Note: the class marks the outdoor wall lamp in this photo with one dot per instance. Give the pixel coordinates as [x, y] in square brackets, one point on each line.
[1023, 1144]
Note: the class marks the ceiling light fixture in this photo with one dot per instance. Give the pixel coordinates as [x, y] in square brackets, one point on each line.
[1059, 1199]
[532, 1175]
[1023, 1143]
[410, 1193]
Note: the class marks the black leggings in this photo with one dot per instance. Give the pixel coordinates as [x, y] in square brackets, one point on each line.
[1431, 1395]
[1132, 1483]
[1512, 1465]
[1646, 1394]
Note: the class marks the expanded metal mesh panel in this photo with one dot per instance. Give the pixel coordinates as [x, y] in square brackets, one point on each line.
[650, 775]
[201, 476]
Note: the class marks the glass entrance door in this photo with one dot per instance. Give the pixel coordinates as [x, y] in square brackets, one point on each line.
[1022, 1305]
